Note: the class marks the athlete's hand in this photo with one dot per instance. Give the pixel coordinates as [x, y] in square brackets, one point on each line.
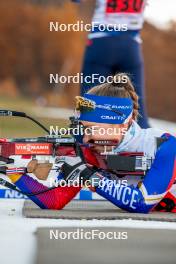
[74, 169]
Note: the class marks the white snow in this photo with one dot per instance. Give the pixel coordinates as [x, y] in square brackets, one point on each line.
[17, 234]
[161, 12]
[166, 126]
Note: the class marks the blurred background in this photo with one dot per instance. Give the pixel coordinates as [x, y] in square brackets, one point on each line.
[29, 52]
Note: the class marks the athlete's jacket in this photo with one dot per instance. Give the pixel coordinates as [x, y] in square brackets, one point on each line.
[115, 12]
[127, 16]
[139, 195]
[143, 195]
[129, 12]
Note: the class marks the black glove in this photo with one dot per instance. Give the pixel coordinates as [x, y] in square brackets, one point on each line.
[74, 169]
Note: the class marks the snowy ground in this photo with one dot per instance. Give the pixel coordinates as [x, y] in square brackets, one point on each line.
[17, 234]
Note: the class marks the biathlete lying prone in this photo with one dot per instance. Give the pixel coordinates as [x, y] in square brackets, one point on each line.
[114, 106]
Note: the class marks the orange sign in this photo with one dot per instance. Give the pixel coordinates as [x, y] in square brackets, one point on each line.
[33, 148]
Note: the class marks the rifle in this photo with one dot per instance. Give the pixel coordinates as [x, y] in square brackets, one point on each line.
[120, 164]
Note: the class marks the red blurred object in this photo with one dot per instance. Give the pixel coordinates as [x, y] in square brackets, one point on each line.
[10, 148]
[167, 204]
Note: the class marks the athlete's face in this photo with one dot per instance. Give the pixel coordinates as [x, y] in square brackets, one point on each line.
[103, 132]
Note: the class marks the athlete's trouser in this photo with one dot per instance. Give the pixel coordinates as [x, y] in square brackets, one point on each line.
[52, 199]
[152, 190]
[110, 55]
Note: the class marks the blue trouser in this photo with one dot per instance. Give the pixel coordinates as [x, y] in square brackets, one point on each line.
[110, 55]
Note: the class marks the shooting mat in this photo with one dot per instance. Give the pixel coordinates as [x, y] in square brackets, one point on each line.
[92, 210]
[142, 246]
